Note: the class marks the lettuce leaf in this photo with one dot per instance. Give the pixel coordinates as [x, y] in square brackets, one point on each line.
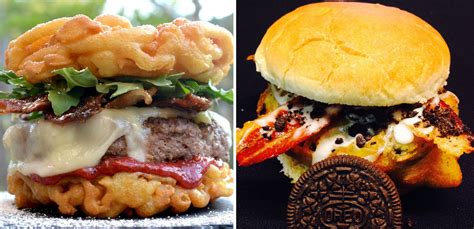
[66, 91]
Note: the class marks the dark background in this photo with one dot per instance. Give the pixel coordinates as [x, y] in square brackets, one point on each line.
[262, 191]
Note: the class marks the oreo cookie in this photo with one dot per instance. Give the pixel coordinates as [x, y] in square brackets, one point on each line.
[344, 192]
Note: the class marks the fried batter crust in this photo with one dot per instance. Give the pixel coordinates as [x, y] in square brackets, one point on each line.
[110, 46]
[138, 194]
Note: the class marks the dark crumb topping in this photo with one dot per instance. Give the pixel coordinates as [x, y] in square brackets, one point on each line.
[267, 136]
[360, 140]
[409, 114]
[398, 151]
[280, 122]
[339, 141]
[367, 121]
[443, 118]
[298, 112]
[318, 111]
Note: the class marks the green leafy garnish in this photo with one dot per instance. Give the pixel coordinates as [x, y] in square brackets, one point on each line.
[208, 90]
[34, 115]
[74, 78]
[66, 91]
[21, 87]
[122, 88]
[61, 101]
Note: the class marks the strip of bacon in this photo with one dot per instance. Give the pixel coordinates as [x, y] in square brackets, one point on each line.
[24, 106]
[275, 133]
[86, 109]
[190, 102]
[94, 104]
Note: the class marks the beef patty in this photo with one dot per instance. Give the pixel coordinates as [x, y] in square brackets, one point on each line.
[178, 138]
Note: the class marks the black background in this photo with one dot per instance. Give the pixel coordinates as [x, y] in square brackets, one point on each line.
[262, 191]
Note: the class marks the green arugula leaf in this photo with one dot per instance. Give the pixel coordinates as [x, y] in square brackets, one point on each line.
[184, 90]
[34, 115]
[9, 77]
[65, 92]
[5, 95]
[103, 88]
[209, 90]
[62, 101]
[122, 88]
[226, 95]
[74, 78]
[21, 88]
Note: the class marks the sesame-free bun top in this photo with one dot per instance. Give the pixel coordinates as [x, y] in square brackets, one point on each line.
[357, 54]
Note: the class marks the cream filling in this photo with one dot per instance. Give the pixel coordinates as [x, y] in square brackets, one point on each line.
[48, 149]
[401, 133]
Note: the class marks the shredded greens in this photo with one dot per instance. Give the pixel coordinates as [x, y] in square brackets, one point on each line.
[66, 91]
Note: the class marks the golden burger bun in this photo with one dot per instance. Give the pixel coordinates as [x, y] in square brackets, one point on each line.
[110, 46]
[357, 54]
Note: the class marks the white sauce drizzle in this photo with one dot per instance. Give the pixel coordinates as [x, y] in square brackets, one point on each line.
[311, 126]
[403, 133]
[386, 140]
[270, 118]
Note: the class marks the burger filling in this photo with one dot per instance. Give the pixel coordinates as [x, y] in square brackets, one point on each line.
[302, 132]
[77, 125]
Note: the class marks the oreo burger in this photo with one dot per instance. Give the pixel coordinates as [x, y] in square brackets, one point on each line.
[115, 119]
[357, 79]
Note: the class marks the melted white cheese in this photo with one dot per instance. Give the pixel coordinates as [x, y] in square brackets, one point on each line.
[326, 145]
[48, 149]
[278, 97]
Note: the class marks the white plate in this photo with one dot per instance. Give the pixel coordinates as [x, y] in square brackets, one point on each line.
[219, 213]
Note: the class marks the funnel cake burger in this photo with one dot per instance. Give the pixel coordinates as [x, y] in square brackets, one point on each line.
[357, 79]
[114, 119]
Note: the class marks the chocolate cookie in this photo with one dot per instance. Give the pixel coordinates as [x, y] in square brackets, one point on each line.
[344, 192]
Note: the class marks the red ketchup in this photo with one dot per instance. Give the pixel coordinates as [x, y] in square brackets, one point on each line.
[188, 173]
